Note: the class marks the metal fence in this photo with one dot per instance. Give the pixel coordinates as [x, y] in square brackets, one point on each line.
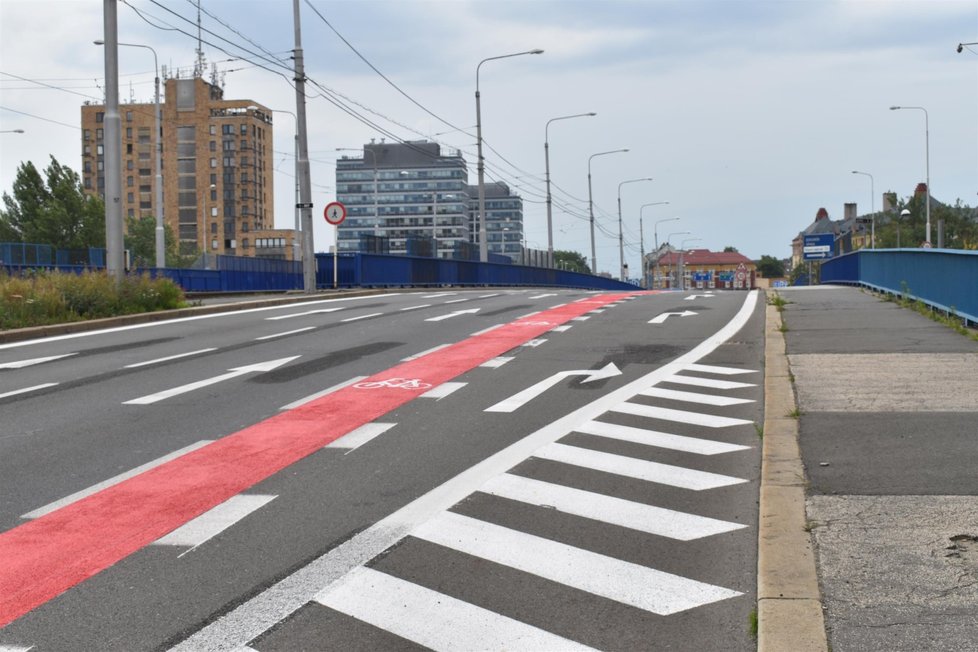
[946, 279]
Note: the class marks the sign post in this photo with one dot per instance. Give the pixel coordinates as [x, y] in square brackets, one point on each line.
[335, 213]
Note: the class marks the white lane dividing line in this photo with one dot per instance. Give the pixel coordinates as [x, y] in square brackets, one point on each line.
[302, 314]
[443, 390]
[529, 314]
[544, 296]
[682, 416]
[168, 358]
[214, 521]
[94, 489]
[360, 436]
[27, 390]
[489, 296]
[325, 392]
[534, 343]
[373, 314]
[694, 397]
[674, 476]
[20, 364]
[622, 581]
[293, 332]
[15, 648]
[495, 363]
[455, 301]
[713, 383]
[723, 371]
[581, 318]
[607, 509]
[434, 620]
[562, 328]
[485, 330]
[261, 367]
[423, 305]
[424, 353]
[439, 294]
[658, 439]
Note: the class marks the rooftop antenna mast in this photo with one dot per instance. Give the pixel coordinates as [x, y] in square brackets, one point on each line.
[199, 66]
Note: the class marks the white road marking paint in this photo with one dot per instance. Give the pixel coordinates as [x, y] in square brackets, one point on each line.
[434, 620]
[292, 332]
[214, 521]
[544, 296]
[682, 416]
[425, 352]
[534, 343]
[488, 296]
[27, 390]
[596, 311]
[699, 296]
[168, 358]
[562, 328]
[630, 467]
[455, 301]
[706, 382]
[166, 322]
[423, 305]
[495, 363]
[373, 314]
[439, 294]
[257, 615]
[261, 367]
[485, 330]
[607, 509]
[581, 318]
[694, 397]
[622, 581]
[521, 398]
[443, 390]
[360, 436]
[658, 439]
[559, 305]
[20, 364]
[723, 371]
[325, 392]
[303, 314]
[662, 317]
[94, 489]
[15, 648]
[470, 311]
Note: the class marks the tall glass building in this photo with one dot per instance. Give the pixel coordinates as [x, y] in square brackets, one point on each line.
[504, 220]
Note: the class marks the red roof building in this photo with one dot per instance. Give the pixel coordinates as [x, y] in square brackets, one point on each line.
[704, 269]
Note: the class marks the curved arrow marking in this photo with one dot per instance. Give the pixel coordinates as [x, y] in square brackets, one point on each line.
[659, 319]
[520, 399]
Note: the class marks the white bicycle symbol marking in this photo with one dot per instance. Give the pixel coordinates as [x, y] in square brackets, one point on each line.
[396, 383]
[534, 323]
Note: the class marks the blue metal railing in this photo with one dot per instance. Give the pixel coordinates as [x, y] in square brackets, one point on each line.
[946, 279]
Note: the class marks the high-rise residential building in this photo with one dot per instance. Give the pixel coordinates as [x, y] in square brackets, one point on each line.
[398, 192]
[218, 193]
[504, 220]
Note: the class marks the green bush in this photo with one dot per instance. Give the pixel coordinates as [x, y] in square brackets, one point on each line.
[40, 298]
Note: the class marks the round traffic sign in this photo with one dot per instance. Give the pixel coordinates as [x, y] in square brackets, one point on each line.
[335, 213]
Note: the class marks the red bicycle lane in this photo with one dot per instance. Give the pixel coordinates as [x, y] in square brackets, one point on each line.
[45, 557]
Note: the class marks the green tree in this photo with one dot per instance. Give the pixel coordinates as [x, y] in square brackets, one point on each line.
[141, 243]
[770, 267]
[53, 210]
[730, 250]
[571, 261]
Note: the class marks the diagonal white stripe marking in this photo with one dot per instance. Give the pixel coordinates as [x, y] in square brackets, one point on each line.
[20, 364]
[495, 362]
[423, 305]
[622, 581]
[534, 343]
[443, 390]
[214, 521]
[292, 332]
[562, 328]
[373, 314]
[168, 358]
[607, 509]
[15, 648]
[456, 301]
[674, 476]
[723, 371]
[360, 436]
[302, 314]
[694, 418]
[434, 620]
[28, 389]
[78, 495]
[658, 439]
[694, 397]
[328, 390]
[581, 318]
[713, 383]
[486, 330]
[424, 353]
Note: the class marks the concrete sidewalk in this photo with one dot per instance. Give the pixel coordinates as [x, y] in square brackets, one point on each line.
[888, 436]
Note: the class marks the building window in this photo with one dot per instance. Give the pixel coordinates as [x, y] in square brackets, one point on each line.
[129, 132]
[99, 117]
[129, 181]
[88, 135]
[244, 129]
[99, 134]
[213, 130]
[130, 198]
[128, 116]
[244, 243]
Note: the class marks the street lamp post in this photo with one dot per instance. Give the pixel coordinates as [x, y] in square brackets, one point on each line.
[621, 237]
[872, 203]
[483, 243]
[669, 240]
[655, 232]
[546, 156]
[682, 262]
[160, 243]
[926, 158]
[590, 205]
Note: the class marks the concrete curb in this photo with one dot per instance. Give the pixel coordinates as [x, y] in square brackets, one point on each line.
[36, 332]
[789, 605]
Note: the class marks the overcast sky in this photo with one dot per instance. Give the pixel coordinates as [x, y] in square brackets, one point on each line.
[749, 115]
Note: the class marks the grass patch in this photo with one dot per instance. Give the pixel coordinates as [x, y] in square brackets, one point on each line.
[41, 298]
[759, 429]
[778, 301]
[948, 318]
[795, 414]
[752, 622]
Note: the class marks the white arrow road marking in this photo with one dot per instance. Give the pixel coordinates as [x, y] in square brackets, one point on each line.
[27, 389]
[520, 399]
[261, 367]
[470, 311]
[20, 364]
[658, 319]
[701, 296]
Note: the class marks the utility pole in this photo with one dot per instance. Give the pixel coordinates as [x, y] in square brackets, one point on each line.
[114, 258]
[302, 162]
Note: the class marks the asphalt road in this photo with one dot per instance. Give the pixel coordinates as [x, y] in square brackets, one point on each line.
[531, 469]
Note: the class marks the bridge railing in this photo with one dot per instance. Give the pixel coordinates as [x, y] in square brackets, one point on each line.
[945, 279]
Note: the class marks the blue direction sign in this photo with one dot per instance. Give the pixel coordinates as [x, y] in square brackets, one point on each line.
[817, 246]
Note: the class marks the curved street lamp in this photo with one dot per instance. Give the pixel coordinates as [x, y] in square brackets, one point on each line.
[927, 158]
[621, 238]
[483, 243]
[682, 262]
[546, 156]
[872, 203]
[655, 233]
[590, 205]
